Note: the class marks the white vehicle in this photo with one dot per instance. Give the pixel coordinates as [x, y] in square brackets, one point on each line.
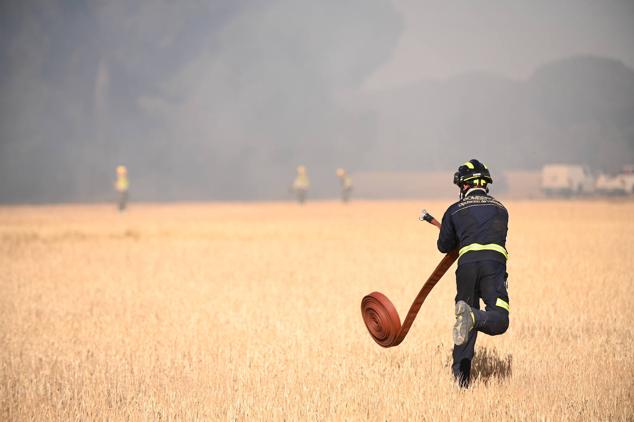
[621, 184]
[566, 180]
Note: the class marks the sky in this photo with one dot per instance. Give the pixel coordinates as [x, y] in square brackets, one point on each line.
[511, 38]
[224, 98]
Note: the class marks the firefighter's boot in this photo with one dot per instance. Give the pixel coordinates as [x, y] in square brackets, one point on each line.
[465, 321]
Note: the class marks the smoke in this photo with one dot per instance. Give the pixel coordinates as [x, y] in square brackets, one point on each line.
[201, 101]
[577, 110]
[222, 100]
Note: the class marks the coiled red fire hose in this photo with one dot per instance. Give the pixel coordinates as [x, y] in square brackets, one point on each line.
[379, 314]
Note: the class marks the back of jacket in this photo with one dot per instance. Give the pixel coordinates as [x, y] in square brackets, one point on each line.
[477, 226]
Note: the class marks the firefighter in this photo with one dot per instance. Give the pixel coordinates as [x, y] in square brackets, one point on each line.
[346, 184]
[476, 225]
[301, 184]
[121, 186]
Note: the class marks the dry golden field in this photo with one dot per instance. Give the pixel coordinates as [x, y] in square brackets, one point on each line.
[251, 311]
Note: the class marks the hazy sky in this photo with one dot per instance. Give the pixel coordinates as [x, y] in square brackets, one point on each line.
[512, 38]
[222, 99]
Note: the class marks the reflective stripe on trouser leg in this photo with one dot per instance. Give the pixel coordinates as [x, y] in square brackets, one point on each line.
[503, 304]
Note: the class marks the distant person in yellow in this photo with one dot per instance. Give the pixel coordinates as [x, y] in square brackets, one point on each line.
[346, 184]
[301, 184]
[121, 186]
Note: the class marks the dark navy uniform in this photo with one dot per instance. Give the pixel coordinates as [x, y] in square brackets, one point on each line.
[477, 226]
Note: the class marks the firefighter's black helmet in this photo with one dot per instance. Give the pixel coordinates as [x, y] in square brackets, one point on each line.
[473, 172]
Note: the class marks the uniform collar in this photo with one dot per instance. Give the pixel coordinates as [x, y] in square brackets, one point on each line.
[475, 191]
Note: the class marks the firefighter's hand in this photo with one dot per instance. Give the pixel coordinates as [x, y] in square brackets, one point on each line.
[425, 216]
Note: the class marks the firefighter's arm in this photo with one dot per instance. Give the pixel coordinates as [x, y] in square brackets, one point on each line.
[447, 239]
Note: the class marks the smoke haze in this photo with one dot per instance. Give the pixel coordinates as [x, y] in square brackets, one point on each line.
[221, 100]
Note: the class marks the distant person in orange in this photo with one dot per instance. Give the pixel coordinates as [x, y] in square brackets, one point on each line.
[121, 186]
[301, 184]
[346, 184]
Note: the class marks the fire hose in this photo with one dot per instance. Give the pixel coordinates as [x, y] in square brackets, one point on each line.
[379, 314]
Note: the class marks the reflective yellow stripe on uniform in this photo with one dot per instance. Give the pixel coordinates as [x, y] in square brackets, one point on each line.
[502, 304]
[479, 247]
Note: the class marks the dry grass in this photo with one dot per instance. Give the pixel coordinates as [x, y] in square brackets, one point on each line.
[232, 311]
